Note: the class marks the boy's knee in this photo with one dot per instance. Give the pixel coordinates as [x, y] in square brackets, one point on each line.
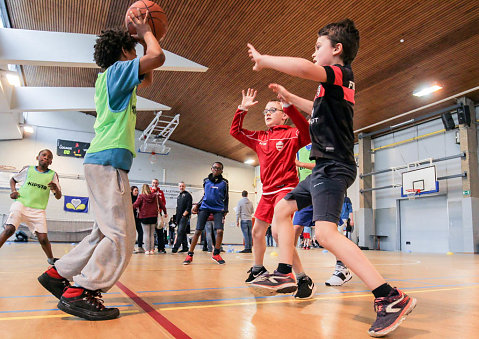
[42, 238]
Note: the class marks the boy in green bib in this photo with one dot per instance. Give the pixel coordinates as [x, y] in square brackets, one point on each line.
[31, 199]
[98, 261]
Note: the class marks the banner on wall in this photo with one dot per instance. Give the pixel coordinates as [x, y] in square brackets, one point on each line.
[75, 204]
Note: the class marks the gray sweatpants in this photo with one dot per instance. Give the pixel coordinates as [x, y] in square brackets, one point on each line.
[98, 261]
[148, 236]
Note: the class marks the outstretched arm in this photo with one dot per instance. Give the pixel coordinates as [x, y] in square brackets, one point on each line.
[298, 67]
[154, 56]
[284, 95]
[237, 131]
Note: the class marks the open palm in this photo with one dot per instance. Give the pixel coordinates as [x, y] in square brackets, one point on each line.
[249, 98]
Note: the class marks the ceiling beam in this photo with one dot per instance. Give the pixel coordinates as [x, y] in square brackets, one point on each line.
[42, 48]
[41, 99]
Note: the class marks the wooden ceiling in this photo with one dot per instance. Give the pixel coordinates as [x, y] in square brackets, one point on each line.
[441, 44]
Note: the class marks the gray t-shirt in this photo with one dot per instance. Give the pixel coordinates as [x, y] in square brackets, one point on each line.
[244, 210]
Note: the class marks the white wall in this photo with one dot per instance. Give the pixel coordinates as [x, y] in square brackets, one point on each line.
[182, 164]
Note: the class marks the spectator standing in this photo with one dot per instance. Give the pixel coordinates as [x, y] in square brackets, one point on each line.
[244, 212]
[184, 202]
[147, 204]
[139, 228]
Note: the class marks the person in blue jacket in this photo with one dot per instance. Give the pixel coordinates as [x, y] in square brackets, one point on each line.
[214, 201]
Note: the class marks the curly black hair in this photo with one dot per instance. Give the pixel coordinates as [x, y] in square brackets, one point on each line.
[346, 33]
[109, 44]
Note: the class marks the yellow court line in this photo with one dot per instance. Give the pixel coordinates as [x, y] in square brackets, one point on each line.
[63, 315]
[301, 300]
[288, 300]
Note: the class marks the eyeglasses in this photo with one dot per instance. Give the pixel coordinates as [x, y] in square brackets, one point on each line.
[217, 168]
[271, 110]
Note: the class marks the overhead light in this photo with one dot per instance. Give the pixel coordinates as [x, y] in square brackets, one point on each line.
[427, 90]
[249, 161]
[28, 129]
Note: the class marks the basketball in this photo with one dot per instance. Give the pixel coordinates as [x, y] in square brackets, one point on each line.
[156, 18]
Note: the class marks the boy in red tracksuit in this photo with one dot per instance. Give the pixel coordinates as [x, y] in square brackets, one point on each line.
[276, 149]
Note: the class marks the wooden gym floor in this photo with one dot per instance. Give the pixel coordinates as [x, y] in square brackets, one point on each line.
[160, 298]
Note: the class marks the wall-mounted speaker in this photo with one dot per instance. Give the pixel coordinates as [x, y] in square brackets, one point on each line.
[464, 115]
[448, 121]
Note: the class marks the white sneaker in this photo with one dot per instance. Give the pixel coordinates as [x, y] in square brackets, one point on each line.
[340, 276]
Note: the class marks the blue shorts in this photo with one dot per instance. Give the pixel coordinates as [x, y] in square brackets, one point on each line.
[304, 217]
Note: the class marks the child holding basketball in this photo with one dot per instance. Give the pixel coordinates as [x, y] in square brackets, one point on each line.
[276, 149]
[336, 47]
[31, 199]
[98, 261]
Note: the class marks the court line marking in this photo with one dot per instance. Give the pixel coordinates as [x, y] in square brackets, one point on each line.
[160, 319]
[289, 300]
[244, 287]
[63, 315]
[286, 295]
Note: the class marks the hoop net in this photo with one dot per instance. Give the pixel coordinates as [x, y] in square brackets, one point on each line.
[412, 193]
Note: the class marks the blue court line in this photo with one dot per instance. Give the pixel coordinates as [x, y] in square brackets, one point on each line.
[54, 309]
[252, 298]
[243, 287]
[287, 295]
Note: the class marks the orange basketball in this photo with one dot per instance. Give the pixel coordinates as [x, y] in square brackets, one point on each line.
[156, 18]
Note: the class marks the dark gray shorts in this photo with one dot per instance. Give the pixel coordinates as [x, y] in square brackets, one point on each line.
[325, 189]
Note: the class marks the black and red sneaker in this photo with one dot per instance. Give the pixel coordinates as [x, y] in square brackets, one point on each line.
[391, 311]
[218, 259]
[188, 260]
[86, 304]
[53, 282]
[275, 283]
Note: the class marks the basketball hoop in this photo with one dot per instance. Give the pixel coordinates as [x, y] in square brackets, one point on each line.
[412, 193]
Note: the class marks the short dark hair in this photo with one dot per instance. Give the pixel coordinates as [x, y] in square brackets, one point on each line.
[109, 45]
[244, 193]
[45, 149]
[217, 162]
[346, 33]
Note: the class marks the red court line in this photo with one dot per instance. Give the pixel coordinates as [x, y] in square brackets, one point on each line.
[165, 323]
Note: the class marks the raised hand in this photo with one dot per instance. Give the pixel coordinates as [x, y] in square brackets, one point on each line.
[282, 93]
[14, 195]
[140, 23]
[248, 98]
[255, 56]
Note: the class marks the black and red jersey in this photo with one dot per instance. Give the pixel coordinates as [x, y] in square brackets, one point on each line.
[331, 125]
[276, 149]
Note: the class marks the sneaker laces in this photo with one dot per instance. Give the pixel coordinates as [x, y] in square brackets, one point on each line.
[379, 304]
[94, 298]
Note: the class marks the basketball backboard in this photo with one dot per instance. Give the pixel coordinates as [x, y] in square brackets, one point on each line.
[421, 180]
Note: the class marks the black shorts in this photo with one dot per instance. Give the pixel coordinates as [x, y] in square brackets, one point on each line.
[325, 189]
[203, 215]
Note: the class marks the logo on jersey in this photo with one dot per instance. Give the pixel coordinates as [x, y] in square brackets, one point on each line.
[133, 109]
[318, 92]
[279, 145]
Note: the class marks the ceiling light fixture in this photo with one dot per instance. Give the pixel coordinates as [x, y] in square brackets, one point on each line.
[249, 161]
[428, 90]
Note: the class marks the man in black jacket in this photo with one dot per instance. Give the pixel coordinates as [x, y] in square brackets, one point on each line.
[183, 212]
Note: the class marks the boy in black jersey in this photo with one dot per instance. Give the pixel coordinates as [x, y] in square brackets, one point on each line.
[332, 111]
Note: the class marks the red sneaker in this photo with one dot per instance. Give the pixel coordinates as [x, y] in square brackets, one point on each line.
[218, 259]
[188, 260]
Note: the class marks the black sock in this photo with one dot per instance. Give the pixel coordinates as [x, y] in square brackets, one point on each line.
[284, 268]
[216, 251]
[191, 254]
[383, 291]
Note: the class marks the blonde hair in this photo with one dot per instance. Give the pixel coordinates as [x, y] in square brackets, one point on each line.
[145, 189]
